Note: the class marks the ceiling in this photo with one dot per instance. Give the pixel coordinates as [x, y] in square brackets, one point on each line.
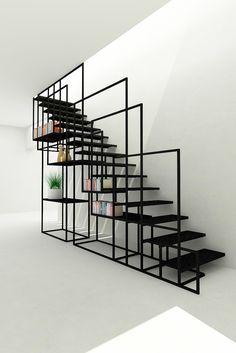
[42, 40]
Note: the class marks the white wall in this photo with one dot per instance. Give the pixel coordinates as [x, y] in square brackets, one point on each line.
[20, 172]
[181, 64]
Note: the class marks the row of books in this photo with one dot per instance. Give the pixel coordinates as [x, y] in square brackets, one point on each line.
[95, 184]
[107, 208]
[92, 184]
[48, 128]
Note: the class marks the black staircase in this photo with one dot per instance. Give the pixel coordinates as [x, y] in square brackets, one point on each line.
[92, 153]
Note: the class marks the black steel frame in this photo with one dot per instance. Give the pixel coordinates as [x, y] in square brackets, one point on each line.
[81, 240]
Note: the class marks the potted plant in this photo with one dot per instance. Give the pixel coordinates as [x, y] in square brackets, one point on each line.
[55, 186]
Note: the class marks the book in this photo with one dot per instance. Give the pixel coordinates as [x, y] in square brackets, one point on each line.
[35, 132]
[98, 184]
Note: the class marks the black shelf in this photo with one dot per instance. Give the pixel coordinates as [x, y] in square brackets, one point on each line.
[188, 261]
[66, 200]
[54, 137]
[171, 239]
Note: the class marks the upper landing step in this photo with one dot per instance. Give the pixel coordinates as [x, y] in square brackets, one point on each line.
[53, 101]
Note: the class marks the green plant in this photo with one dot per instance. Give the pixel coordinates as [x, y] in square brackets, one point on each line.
[54, 181]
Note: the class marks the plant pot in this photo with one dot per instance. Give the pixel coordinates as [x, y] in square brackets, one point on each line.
[55, 194]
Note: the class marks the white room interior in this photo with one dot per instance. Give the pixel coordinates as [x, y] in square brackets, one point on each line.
[179, 57]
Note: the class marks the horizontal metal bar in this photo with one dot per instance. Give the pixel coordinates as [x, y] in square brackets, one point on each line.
[154, 152]
[118, 112]
[102, 90]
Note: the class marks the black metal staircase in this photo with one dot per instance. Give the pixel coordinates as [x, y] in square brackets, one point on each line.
[92, 152]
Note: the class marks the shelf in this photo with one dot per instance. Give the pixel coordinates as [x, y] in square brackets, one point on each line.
[165, 219]
[188, 261]
[54, 137]
[170, 239]
[66, 200]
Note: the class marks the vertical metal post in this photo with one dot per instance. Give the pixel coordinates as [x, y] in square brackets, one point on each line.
[42, 182]
[126, 172]
[141, 184]
[179, 214]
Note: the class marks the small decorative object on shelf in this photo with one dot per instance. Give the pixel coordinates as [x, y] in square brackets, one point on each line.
[107, 183]
[106, 208]
[55, 186]
[67, 156]
[61, 154]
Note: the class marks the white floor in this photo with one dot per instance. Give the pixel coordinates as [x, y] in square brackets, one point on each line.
[56, 298]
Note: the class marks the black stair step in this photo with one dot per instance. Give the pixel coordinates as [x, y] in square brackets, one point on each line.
[188, 261]
[145, 203]
[53, 101]
[59, 107]
[123, 190]
[77, 127]
[118, 176]
[89, 143]
[95, 163]
[54, 137]
[98, 153]
[170, 239]
[165, 219]
[64, 119]
[64, 113]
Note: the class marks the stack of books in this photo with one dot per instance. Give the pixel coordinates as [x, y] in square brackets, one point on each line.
[92, 184]
[50, 127]
[107, 208]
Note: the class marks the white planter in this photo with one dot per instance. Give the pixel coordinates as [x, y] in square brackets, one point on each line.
[55, 194]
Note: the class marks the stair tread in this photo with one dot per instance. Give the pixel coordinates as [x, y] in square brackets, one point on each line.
[165, 219]
[145, 203]
[89, 143]
[53, 100]
[67, 119]
[64, 112]
[188, 261]
[95, 163]
[123, 190]
[105, 154]
[71, 126]
[118, 176]
[170, 239]
[58, 106]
